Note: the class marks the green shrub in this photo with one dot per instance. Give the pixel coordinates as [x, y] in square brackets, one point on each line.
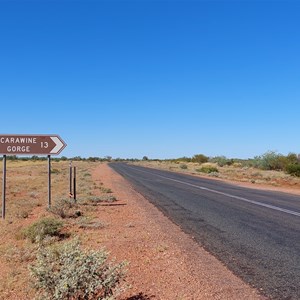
[181, 159]
[66, 272]
[105, 190]
[270, 161]
[103, 198]
[292, 158]
[64, 208]
[237, 165]
[43, 228]
[200, 158]
[183, 166]
[293, 169]
[208, 169]
[90, 224]
[222, 161]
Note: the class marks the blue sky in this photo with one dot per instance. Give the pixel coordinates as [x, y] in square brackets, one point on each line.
[163, 79]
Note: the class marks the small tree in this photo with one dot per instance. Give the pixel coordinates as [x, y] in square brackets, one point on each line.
[292, 158]
[200, 158]
[270, 161]
[293, 169]
[220, 160]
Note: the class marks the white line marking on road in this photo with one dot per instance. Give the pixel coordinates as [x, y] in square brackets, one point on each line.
[291, 212]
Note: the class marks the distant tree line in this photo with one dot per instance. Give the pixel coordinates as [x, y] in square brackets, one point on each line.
[271, 160]
[64, 158]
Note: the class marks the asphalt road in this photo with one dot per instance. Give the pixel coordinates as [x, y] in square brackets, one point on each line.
[255, 233]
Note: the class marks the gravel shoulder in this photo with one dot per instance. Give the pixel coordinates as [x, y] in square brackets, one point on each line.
[164, 262]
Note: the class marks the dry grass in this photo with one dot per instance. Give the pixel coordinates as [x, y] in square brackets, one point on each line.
[27, 195]
[27, 202]
[235, 173]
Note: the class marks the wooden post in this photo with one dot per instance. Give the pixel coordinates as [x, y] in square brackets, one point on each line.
[74, 184]
[49, 181]
[4, 187]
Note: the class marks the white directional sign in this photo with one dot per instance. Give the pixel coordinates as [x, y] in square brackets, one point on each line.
[31, 144]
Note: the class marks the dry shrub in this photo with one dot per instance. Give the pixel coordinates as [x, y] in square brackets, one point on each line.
[65, 271]
[293, 169]
[208, 168]
[102, 199]
[65, 208]
[43, 228]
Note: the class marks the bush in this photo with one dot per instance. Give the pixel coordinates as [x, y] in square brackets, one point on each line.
[208, 169]
[105, 190]
[200, 158]
[181, 159]
[293, 169]
[183, 166]
[98, 200]
[222, 161]
[292, 158]
[66, 272]
[270, 161]
[43, 228]
[237, 165]
[65, 208]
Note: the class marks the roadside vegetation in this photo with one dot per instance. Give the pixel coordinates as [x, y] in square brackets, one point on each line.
[270, 168]
[56, 240]
[270, 160]
[66, 271]
[46, 251]
[219, 166]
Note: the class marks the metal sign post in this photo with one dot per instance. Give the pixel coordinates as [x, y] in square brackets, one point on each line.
[49, 181]
[70, 168]
[74, 184]
[4, 187]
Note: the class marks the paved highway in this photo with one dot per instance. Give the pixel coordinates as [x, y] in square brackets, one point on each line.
[255, 233]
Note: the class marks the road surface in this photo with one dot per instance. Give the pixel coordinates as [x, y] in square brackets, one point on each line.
[255, 233]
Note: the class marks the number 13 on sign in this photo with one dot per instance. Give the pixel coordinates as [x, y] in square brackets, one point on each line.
[44, 145]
